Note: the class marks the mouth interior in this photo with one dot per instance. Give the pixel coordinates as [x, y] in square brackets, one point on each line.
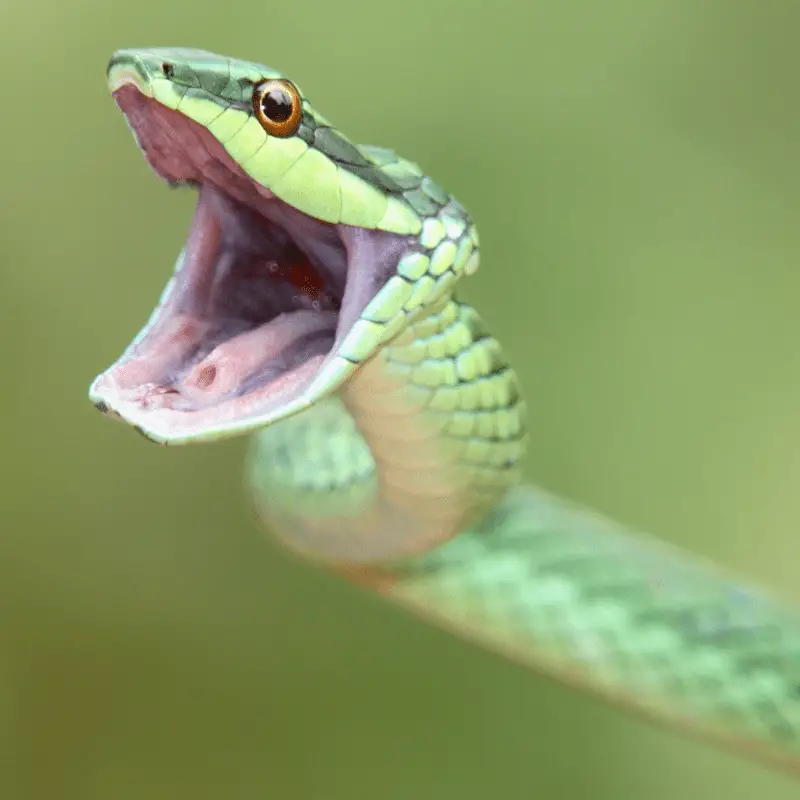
[253, 308]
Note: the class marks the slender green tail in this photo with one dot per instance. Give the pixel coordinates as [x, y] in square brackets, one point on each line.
[647, 626]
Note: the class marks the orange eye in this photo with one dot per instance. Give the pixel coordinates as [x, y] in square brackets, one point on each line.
[278, 106]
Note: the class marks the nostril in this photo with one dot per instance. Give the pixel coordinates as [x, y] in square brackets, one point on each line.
[167, 69]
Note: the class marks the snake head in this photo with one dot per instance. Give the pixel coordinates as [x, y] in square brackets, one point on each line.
[305, 256]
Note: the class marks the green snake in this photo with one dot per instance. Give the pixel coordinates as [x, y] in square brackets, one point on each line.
[314, 305]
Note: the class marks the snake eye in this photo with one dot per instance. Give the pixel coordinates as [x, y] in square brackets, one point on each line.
[278, 106]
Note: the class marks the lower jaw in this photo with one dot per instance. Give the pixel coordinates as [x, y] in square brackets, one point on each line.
[145, 409]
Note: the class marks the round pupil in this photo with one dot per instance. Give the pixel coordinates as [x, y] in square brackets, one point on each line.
[277, 105]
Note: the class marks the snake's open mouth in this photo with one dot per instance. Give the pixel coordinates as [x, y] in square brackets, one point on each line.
[258, 301]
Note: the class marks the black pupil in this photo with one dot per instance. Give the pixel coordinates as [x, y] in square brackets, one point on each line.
[277, 105]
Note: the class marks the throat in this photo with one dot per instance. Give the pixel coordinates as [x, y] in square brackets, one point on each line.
[389, 469]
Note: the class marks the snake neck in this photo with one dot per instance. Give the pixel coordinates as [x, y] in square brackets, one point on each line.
[421, 442]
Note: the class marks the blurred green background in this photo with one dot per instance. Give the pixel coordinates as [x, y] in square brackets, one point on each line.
[633, 168]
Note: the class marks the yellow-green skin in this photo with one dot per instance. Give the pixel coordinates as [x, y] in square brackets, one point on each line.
[401, 470]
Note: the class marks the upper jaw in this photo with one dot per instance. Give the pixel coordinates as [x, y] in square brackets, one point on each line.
[181, 151]
[354, 263]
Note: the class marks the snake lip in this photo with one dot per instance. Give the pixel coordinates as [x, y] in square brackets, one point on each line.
[260, 296]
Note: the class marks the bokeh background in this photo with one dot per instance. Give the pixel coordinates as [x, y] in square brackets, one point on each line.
[634, 170]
